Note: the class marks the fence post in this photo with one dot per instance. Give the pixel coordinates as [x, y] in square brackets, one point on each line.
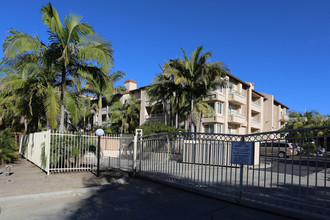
[47, 150]
[241, 177]
[138, 132]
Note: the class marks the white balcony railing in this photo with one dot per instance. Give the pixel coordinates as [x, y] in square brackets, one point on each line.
[238, 93]
[235, 113]
[256, 104]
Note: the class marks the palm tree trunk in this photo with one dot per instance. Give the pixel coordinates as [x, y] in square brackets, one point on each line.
[176, 119]
[200, 122]
[99, 123]
[61, 127]
[191, 116]
[25, 125]
[164, 112]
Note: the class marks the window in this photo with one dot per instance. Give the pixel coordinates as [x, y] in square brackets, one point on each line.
[211, 104]
[218, 108]
[229, 129]
[218, 128]
[231, 86]
[229, 110]
[219, 89]
[209, 129]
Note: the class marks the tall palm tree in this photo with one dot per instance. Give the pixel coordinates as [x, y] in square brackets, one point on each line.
[73, 47]
[192, 79]
[102, 89]
[126, 114]
[31, 96]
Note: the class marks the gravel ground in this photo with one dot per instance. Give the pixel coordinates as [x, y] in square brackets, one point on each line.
[26, 178]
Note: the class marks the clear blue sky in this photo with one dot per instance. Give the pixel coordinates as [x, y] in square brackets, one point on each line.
[282, 46]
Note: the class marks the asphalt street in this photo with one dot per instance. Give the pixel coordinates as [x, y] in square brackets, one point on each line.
[136, 199]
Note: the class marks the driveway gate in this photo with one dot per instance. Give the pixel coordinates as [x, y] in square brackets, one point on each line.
[289, 171]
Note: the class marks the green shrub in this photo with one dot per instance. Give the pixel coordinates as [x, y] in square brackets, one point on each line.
[8, 146]
[157, 127]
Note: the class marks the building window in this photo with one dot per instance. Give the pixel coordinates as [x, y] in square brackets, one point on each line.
[219, 108]
[231, 86]
[218, 128]
[219, 89]
[212, 105]
[209, 129]
[229, 129]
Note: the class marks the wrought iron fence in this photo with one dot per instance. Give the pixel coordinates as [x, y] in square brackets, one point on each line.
[289, 171]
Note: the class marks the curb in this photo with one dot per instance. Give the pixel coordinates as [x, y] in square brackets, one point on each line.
[80, 191]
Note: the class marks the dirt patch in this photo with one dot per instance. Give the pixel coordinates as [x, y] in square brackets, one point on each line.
[26, 178]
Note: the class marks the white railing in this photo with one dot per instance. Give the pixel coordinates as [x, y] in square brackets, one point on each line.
[235, 113]
[237, 93]
[62, 152]
[256, 104]
[257, 121]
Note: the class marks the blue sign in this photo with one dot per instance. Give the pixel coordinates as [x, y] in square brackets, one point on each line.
[242, 153]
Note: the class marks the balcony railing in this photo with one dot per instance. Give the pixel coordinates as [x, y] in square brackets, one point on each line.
[237, 93]
[237, 97]
[237, 117]
[257, 104]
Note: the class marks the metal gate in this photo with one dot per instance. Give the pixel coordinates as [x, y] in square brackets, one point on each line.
[117, 153]
[290, 171]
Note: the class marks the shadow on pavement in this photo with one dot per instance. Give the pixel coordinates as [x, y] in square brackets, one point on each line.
[141, 199]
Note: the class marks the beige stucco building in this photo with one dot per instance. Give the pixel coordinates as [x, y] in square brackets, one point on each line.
[239, 109]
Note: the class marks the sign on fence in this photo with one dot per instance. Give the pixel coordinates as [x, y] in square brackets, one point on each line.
[242, 153]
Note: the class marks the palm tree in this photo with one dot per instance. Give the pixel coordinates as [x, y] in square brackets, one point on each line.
[161, 93]
[33, 97]
[191, 79]
[102, 88]
[73, 48]
[126, 114]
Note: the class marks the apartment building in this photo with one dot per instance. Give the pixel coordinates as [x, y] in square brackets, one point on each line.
[239, 109]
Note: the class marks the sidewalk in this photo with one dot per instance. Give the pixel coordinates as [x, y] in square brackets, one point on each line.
[112, 196]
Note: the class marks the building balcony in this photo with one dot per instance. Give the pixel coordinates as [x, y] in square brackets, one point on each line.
[284, 118]
[154, 118]
[255, 123]
[256, 107]
[236, 118]
[215, 96]
[215, 119]
[237, 98]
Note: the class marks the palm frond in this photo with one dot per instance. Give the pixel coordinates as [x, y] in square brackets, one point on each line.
[50, 17]
[52, 106]
[20, 42]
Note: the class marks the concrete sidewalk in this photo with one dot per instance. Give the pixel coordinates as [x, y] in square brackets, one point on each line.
[119, 198]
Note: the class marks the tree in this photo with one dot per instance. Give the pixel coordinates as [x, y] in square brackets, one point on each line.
[28, 90]
[7, 146]
[188, 81]
[126, 114]
[306, 119]
[74, 48]
[102, 88]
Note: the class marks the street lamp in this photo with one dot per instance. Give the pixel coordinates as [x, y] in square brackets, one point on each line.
[99, 132]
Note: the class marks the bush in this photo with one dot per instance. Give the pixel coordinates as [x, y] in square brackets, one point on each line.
[157, 127]
[8, 146]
